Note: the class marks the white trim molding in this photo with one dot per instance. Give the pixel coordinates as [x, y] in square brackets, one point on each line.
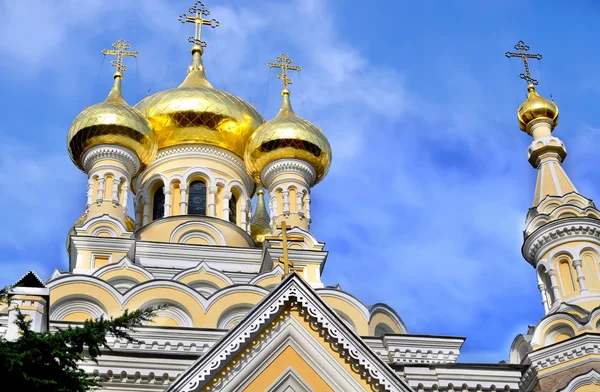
[109, 151]
[296, 166]
[591, 377]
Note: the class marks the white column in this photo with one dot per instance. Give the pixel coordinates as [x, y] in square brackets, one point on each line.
[554, 285]
[299, 203]
[100, 195]
[307, 207]
[212, 191]
[115, 190]
[226, 197]
[125, 195]
[580, 278]
[167, 192]
[286, 202]
[542, 288]
[248, 214]
[183, 200]
[146, 213]
[273, 204]
[244, 210]
[90, 189]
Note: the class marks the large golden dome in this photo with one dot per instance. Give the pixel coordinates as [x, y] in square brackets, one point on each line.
[535, 107]
[287, 136]
[196, 112]
[112, 122]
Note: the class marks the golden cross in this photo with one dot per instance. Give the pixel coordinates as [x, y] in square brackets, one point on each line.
[285, 64]
[522, 48]
[120, 50]
[198, 10]
[284, 240]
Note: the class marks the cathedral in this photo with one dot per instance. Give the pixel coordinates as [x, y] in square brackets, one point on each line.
[169, 221]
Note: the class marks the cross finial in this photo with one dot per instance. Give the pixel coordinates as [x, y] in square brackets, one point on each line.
[120, 50]
[285, 64]
[198, 11]
[287, 264]
[522, 48]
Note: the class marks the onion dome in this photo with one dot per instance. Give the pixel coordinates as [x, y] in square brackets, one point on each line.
[196, 112]
[112, 122]
[536, 107]
[287, 136]
[260, 225]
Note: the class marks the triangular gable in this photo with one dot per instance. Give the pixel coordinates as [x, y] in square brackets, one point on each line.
[269, 321]
[30, 279]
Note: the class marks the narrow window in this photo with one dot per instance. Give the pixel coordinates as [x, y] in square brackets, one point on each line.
[197, 198]
[233, 209]
[158, 205]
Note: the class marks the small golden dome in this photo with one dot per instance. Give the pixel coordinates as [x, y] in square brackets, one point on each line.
[287, 136]
[196, 112]
[260, 225]
[535, 107]
[112, 122]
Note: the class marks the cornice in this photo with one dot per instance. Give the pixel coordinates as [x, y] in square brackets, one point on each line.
[121, 154]
[557, 232]
[280, 166]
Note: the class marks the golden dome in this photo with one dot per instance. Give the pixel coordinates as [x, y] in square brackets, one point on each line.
[112, 122]
[196, 112]
[535, 107]
[260, 225]
[287, 136]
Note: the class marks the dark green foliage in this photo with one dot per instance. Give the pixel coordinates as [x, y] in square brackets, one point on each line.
[49, 361]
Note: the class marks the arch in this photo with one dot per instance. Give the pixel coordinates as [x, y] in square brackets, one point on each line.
[382, 314]
[232, 316]
[197, 197]
[589, 264]
[346, 319]
[123, 269]
[382, 329]
[543, 278]
[346, 304]
[172, 316]
[123, 283]
[567, 279]
[204, 287]
[158, 203]
[77, 308]
[203, 279]
[587, 382]
[194, 173]
[197, 229]
[558, 333]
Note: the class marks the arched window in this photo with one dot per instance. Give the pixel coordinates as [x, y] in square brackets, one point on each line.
[233, 209]
[158, 204]
[197, 198]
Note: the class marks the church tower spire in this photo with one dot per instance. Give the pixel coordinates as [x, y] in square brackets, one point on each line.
[560, 240]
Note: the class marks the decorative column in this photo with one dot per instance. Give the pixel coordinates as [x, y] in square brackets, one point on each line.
[244, 217]
[554, 285]
[90, 189]
[307, 203]
[248, 215]
[273, 206]
[125, 195]
[299, 206]
[115, 191]
[580, 278]
[212, 191]
[542, 288]
[183, 200]
[146, 212]
[286, 202]
[167, 192]
[100, 195]
[226, 197]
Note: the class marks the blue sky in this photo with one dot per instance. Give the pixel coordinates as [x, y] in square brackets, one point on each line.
[425, 202]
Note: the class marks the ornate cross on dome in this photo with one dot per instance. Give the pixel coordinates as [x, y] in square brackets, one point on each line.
[285, 64]
[284, 244]
[522, 48]
[198, 10]
[120, 50]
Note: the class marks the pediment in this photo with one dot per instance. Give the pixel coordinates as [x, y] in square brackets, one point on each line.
[291, 341]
